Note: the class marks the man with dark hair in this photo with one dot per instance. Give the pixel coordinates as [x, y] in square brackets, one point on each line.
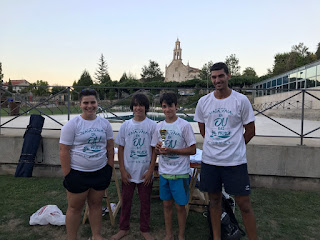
[226, 122]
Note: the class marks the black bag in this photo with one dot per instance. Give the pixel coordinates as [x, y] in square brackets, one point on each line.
[32, 138]
[230, 229]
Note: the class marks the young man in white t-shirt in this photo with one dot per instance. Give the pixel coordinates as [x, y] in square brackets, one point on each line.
[174, 162]
[226, 122]
[134, 155]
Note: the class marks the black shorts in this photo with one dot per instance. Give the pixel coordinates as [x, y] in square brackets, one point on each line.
[234, 178]
[79, 182]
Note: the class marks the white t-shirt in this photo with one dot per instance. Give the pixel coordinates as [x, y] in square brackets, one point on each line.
[179, 135]
[135, 137]
[89, 141]
[224, 144]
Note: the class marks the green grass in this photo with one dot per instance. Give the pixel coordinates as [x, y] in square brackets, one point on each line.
[280, 214]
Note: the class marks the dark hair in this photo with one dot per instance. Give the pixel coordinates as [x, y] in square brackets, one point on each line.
[219, 66]
[88, 92]
[140, 99]
[169, 98]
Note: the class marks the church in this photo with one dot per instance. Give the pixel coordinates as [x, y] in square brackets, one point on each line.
[177, 71]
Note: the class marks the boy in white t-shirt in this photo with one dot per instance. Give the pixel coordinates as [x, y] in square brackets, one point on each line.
[134, 155]
[174, 162]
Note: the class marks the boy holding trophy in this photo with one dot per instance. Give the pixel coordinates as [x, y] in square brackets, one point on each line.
[174, 141]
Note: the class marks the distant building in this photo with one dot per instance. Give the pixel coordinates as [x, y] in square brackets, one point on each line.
[285, 85]
[17, 85]
[177, 71]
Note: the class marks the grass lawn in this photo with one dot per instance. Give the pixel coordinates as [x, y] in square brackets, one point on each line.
[281, 214]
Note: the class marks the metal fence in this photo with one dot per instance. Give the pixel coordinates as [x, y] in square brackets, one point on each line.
[64, 101]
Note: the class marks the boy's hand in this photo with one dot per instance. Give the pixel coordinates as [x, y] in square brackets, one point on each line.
[147, 178]
[158, 147]
[125, 177]
[165, 151]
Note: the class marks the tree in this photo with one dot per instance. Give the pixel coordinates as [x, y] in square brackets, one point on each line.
[40, 88]
[233, 64]
[249, 72]
[280, 63]
[152, 72]
[1, 75]
[10, 88]
[123, 77]
[318, 51]
[101, 75]
[205, 70]
[56, 89]
[85, 79]
[301, 49]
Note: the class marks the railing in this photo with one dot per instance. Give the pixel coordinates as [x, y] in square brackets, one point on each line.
[113, 100]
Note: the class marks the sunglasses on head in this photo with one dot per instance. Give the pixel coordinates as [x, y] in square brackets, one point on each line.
[88, 89]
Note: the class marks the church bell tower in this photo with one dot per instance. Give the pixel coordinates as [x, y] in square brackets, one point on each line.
[177, 51]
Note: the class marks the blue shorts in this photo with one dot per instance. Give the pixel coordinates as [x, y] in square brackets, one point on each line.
[234, 178]
[177, 189]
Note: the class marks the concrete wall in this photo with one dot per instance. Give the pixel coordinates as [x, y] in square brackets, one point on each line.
[274, 166]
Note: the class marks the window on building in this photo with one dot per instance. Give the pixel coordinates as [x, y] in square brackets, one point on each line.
[293, 77]
[285, 79]
[302, 74]
[318, 80]
[292, 85]
[311, 82]
[279, 81]
[311, 72]
[274, 83]
[268, 84]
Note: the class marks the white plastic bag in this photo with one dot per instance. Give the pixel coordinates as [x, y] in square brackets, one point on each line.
[49, 214]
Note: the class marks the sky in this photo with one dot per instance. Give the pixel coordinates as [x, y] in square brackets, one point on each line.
[56, 40]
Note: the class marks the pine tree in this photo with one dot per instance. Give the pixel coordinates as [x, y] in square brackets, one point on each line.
[101, 74]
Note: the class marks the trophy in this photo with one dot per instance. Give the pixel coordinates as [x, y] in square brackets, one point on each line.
[163, 134]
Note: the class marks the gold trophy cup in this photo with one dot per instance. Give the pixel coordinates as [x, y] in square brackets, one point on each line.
[163, 134]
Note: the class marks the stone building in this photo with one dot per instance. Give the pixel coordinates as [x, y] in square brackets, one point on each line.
[177, 71]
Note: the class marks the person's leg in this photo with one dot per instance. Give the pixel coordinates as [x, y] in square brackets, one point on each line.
[127, 195]
[76, 202]
[167, 212]
[145, 201]
[182, 218]
[215, 214]
[180, 193]
[236, 182]
[95, 214]
[247, 214]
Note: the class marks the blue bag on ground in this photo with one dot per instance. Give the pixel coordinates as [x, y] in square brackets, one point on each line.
[31, 142]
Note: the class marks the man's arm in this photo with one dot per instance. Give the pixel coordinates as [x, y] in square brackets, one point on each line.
[110, 152]
[249, 132]
[65, 158]
[202, 127]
